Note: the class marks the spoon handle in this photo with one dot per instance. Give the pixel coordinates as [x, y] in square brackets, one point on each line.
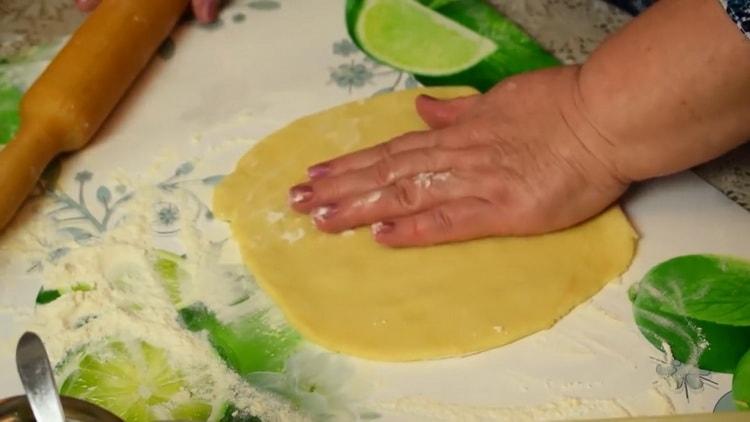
[37, 379]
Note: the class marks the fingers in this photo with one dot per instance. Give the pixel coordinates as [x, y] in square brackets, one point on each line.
[331, 190]
[87, 5]
[205, 11]
[462, 219]
[367, 157]
[439, 114]
[404, 197]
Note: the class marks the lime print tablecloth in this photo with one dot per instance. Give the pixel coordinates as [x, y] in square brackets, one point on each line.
[139, 293]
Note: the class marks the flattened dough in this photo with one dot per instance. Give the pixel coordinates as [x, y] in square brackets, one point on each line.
[349, 294]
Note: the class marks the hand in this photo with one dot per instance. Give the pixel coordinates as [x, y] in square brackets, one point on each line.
[512, 162]
[205, 10]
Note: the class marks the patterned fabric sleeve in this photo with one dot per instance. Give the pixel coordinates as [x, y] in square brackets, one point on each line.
[739, 11]
[633, 7]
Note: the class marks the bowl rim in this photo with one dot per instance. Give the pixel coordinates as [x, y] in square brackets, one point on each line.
[77, 407]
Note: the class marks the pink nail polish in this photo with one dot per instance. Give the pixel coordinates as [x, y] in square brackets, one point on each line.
[300, 193]
[382, 227]
[319, 170]
[207, 11]
[87, 5]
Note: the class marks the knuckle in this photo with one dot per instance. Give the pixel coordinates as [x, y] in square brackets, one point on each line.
[329, 190]
[497, 190]
[383, 170]
[442, 220]
[494, 156]
[406, 194]
[486, 158]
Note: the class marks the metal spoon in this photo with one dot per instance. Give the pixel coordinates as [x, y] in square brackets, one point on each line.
[37, 379]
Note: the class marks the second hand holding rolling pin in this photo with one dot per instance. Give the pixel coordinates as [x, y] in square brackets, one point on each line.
[69, 102]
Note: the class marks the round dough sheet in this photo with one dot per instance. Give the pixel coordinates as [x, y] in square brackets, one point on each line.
[351, 295]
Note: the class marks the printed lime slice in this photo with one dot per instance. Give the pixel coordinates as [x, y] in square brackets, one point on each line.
[697, 305]
[136, 382]
[514, 50]
[415, 38]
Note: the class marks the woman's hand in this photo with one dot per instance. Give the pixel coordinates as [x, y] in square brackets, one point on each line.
[518, 160]
[546, 150]
[205, 10]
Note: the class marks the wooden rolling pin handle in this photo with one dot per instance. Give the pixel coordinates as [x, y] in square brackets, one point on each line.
[68, 103]
[21, 163]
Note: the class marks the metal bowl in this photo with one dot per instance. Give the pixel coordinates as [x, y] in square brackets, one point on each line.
[17, 409]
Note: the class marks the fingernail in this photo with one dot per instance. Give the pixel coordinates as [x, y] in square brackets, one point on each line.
[324, 213]
[208, 11]
[319, 170]
[87, 5]
[429, 97]
[382, 227]
[300, 193]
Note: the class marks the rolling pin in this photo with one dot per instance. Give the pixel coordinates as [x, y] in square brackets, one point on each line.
[68, 103]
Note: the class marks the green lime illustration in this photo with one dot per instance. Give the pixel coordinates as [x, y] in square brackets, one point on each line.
[417, 39]
[10, 99]
[444, 42]
[247, 343]
[169, 271]
[696, 305]
[135, 381]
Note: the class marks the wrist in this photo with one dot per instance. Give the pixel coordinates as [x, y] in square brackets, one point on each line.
[597, 147]
[664, 100]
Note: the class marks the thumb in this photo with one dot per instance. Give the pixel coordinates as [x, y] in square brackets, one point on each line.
[441, 113]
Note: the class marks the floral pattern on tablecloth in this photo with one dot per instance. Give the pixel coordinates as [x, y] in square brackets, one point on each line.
[312, 381]
[317, 383]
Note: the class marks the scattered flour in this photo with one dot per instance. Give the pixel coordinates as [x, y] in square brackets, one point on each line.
[377, 227]
[274, 216]
[298, 197]
[370, 199]
[425, 180]
[128, 303]
[564, 408]
[321, 213]
[293, 235]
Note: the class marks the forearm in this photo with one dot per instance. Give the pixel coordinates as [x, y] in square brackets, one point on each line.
[667, 92]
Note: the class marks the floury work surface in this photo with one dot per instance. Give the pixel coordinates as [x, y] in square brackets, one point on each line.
[570, 29]
[593, 363]
[113, 285]
[125, 210]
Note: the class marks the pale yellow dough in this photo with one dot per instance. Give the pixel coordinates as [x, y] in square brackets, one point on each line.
[351, 295]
